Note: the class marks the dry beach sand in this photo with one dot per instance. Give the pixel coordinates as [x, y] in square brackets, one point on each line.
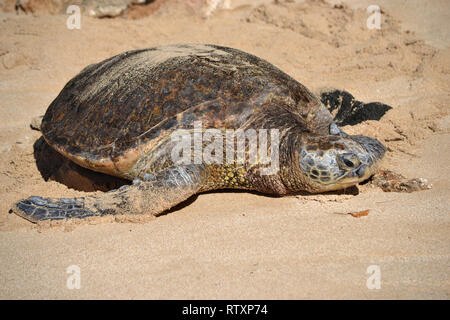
[237, 245]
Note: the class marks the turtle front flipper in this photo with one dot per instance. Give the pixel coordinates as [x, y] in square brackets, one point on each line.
[37, 209]
[346, 110]
[154, 195]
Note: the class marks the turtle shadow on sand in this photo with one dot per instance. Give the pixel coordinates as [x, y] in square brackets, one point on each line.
[54, 166]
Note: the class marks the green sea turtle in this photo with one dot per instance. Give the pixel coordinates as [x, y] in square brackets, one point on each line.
[118, 117]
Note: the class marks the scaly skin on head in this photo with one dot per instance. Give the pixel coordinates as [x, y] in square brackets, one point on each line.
[325, 163]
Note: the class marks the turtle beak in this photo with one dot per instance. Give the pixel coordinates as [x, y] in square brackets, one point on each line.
[361, 171]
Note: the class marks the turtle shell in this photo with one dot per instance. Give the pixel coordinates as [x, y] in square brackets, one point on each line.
[113, 111]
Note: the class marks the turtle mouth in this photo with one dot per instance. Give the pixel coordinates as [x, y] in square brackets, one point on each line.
[348, 178]
[360, 173]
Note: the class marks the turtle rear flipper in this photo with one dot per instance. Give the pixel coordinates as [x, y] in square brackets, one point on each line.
[35, 123]
[160, 192]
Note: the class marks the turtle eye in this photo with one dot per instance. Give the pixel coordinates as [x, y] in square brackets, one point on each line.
[348, 161]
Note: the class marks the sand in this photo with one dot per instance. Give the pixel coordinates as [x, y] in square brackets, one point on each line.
[237, 245]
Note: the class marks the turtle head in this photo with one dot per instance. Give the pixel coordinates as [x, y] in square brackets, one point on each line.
[338, 160]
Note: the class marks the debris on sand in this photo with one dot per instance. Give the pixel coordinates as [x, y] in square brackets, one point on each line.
[359, 214]
[390, 181]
